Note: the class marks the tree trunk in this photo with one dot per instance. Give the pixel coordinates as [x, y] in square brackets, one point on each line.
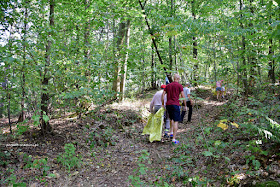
[244, 72]
[195, 47]
[251, 58]
[86, 39]
[22, 116]
[170, 53]
[271, 72]
[124, 67]
[45, 125]
[154, 42]
[153, 74]
[170, 41]
[120, 40]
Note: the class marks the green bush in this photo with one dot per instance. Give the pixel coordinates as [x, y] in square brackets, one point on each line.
[69, 159]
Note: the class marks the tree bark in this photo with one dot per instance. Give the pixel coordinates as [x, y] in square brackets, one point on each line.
[45, 125]
[86, 38]
[195, 47]
[244, 72]
[271, 72]
[119, 45]
[252, 60]
[22, 115]
[153, 77]
[124, 67]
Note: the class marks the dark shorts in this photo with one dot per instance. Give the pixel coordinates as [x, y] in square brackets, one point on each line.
[174, 112]
[218, 89]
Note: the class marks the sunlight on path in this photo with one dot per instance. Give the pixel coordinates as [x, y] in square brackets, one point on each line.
[215, 103]
[183, 130]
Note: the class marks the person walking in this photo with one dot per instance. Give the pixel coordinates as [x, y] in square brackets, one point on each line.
[155, 105]
[173, 91]
[189, 101]
[219, 88]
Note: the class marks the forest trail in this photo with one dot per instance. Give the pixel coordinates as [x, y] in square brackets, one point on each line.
[121, 160]
[112, 147]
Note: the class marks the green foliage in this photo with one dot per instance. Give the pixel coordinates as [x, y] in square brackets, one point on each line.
[104, 137]
[141, 170]
[4, 158]
[22, 129]
[41, 165]
[9, 177]
[69, 159]
[27, 160]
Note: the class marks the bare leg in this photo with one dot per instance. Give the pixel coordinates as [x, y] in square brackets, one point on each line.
[175, 128]
[171, 127]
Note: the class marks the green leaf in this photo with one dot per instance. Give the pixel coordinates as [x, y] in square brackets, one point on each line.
[228, 159]
[207, 153]
[46, 118]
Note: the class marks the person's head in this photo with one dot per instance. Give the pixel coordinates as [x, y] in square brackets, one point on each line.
[176, 78]
[187, 84]
[163, 86]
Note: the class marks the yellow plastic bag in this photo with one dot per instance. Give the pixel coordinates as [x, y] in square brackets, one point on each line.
[154, 125]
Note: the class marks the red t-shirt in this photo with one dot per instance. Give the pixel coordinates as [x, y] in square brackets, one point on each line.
[173, 91]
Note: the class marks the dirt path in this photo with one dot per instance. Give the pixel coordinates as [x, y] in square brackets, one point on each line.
[110, 162]
[122, 160]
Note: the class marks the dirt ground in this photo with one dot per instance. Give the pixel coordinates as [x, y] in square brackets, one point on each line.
[110, 155]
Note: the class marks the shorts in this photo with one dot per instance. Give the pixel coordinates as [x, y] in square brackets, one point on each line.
[218, 89]
[174, 112]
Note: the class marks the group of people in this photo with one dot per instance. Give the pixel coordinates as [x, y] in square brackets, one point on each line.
[169, 98]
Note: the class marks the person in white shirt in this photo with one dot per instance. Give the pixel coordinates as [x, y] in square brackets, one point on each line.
[189, 101]
[156, 104]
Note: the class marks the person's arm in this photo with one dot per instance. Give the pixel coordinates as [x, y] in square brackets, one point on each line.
[189, 96]
[183, 96]
[152, 104]
[162, 98]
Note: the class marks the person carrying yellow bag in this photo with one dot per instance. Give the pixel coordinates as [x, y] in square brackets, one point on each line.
[154, 125]
[153, 122]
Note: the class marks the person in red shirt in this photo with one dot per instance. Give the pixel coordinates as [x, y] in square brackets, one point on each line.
[174, 91]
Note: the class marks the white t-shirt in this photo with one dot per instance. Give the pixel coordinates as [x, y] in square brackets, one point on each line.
[157, 99]
[187, 91]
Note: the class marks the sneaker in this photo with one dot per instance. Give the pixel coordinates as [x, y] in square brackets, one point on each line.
[175, 142]
[165, 136]
[171, 136]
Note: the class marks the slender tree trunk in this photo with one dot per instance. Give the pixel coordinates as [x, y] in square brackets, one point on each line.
[124, 67]
[195, 46]
[214, 59]
[120, 41]
[6, 84]
[175, 54]
[244, 72]
[271, 72]
[86, 38]
[170, 53]
[22, 116]
[251, 58]
[45, 125]
[170, 41]
[152, 68]
[154, 42]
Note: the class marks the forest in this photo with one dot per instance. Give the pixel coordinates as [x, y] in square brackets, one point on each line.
[77, 78]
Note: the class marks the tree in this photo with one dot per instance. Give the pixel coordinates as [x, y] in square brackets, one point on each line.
[45, 125]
